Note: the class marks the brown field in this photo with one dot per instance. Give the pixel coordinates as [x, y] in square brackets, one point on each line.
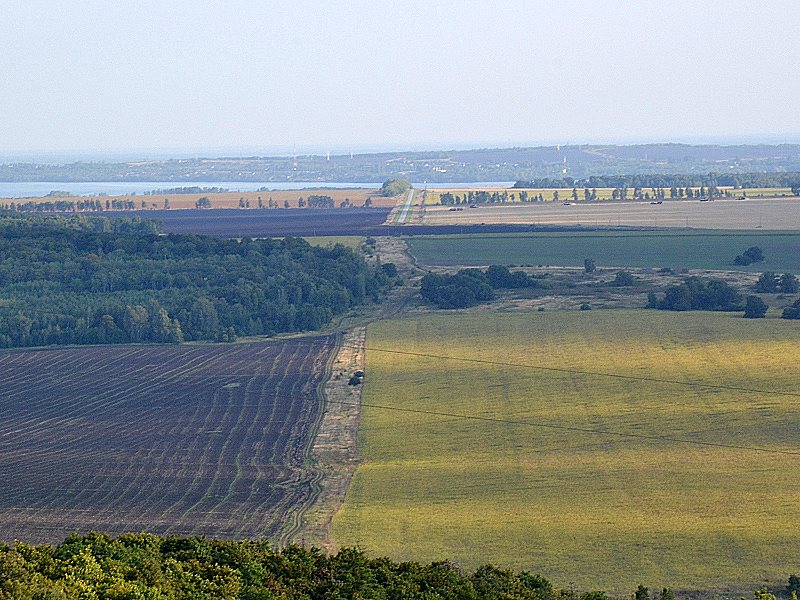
[208, 440]
[771, 214]
[232, 199]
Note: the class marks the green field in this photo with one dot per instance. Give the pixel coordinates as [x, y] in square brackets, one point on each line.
[689, 249]
[350, 241]
[583, 508]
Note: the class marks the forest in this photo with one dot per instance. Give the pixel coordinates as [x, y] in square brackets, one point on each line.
[94, 281]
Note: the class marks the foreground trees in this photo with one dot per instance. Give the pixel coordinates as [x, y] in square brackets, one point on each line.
[149, 566]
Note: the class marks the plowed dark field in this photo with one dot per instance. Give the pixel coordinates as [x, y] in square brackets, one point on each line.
[202, 440]
[296, 222]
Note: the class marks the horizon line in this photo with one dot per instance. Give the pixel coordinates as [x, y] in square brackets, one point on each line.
[338, 150]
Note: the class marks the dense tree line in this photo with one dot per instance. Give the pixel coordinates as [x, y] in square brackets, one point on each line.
[469, 287]
[149, 566]
[167, 568]
[736, 180]
[99, 204]
[698, 293]
[108, 282]
[474, 197]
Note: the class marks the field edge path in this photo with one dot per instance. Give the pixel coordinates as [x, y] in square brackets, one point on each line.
[334, 450]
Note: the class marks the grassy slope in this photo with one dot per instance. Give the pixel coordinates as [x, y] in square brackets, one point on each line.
[583, 508]
[694, 250]
[351, 241]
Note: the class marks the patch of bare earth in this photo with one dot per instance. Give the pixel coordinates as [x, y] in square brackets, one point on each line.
[335, 447]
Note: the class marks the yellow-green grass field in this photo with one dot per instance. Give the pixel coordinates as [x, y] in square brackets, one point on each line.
[765, 192]
[545, 493]
[350, 241]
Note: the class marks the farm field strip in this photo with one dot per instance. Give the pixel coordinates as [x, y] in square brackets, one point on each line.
[305, 222]
[527, 492]
[231, 200]
[774, 214]
[711, 249]
[180, 439]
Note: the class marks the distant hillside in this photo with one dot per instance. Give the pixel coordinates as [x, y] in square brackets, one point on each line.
[504, 164]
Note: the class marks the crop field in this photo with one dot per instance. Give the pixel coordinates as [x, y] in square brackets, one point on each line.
[689, 249]
[303, 222]
[356, 197]
[201, 440]
[766, 192]
[349, 241]
[779, 214]
[603, 448]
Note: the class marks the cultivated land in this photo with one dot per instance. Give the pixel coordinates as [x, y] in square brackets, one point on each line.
[546, 493]
[356, 197]
[349, 241]
[304, 222]
[192, 440]
[779, 214]
[712, 249]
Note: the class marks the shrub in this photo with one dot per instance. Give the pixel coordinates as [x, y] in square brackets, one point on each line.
[623, 279]
[752, 255]
[697, 293]
[755, 308]
[389, 269]
[788, 284]
[767, 283]
[793, 311]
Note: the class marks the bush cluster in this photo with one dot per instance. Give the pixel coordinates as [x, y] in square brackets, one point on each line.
[698, 293]
[469, 287]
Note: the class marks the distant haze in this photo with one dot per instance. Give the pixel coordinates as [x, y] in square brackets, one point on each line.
[121, 80]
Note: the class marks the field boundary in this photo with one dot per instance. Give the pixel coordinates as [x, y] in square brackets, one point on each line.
[334, 450]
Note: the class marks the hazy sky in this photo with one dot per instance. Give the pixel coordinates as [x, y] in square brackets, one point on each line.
[193, 75]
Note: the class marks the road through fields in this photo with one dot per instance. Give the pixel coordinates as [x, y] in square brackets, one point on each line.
[406, 210]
